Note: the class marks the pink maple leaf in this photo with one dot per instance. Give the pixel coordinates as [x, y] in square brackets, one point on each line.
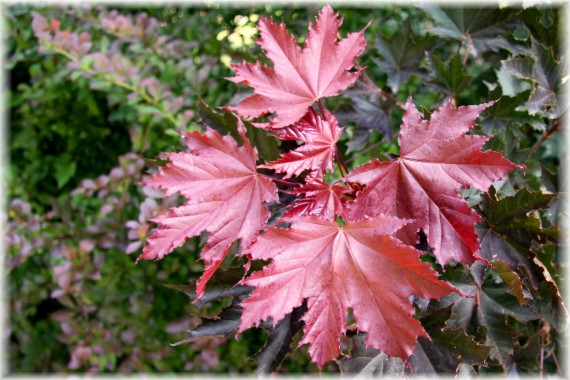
[357, 266]
[225, 196]
[319, 136]
[319, 198]
[436, 160]
[299, 77]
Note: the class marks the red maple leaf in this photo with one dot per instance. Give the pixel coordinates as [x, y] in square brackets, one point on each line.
[317, 153]
[357, 266]
[319, 198]
[299, 77]
[436, 160]
[225, 198]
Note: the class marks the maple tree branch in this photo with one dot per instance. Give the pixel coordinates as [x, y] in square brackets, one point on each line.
[545, 136]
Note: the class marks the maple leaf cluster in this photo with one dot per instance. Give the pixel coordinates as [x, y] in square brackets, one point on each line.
[344, 244]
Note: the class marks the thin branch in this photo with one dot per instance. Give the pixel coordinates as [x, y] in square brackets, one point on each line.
[558, 369]
[545, 136]
[280, 180]
[364, 151]
[340, 163]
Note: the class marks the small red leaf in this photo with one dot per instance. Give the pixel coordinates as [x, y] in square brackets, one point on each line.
[299, 77]
[225, 197]
[317, 154]
[320, 199]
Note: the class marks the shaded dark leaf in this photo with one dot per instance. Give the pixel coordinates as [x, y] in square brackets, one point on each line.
[225, 122]
[279, 342]
[367, 362]
[545, 73]
[503, 115]
[447, 348]
[489, 307]
[401, 56]
[369, 112]
[509, 229]
[543, 24]
[215, 293]
[496, 303]
[485, 28]
[223, 326]
[449, 77]
[518, 205]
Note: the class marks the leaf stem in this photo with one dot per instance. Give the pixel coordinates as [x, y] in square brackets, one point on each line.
[280, 180]
[364, 151]
[340, 162]
[321, 108]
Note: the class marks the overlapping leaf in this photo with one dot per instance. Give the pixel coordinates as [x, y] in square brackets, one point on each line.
[299, 77]
[316, 155]
[490, 304]
[355, 266]
[508, 229]
[369, 362]
[320, 199]
[446, 348]
[485, 28]
[436, 160]
[401, 55]
[369, 112]
[225, 197]
[546, 74]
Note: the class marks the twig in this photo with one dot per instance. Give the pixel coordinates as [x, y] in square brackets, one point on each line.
[340, 162]
[545, 136]
[364, 151]
[281, 181]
